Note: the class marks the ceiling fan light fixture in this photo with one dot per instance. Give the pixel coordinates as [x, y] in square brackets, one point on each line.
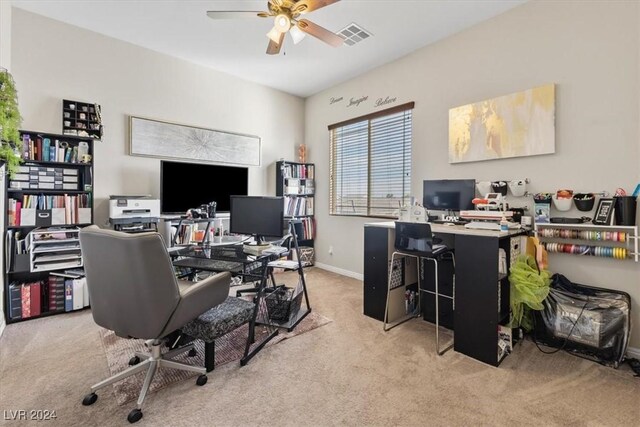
[274, 35]
[296, 34]
[282, 23]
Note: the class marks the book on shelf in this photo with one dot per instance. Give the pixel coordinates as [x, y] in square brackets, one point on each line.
[303, 171]
[298, 206]
[43, 149]
[306, 229]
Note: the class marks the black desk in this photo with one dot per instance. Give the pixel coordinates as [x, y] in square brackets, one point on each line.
[231, 258]
[481, 295]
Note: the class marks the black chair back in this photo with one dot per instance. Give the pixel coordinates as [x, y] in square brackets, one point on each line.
[414, 238]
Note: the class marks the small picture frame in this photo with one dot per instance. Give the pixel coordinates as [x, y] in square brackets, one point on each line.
[604, 212]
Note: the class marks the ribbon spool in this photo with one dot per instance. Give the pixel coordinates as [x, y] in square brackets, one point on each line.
[598, 251]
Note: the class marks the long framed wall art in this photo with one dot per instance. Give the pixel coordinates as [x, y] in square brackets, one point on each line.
[155, 138]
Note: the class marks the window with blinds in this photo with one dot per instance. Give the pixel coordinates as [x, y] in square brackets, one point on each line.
[370, 168]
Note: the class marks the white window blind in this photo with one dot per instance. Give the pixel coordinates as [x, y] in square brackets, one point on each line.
[370, 167]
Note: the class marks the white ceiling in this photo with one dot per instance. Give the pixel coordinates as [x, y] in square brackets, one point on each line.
[182, 29]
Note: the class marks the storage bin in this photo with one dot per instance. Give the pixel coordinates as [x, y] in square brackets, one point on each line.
[625, 211]
[57, 216]
[27, 217]
[84, 216]
[307, 255]
[44, 217]
[562, 204]
[281, 303]
[20, 263]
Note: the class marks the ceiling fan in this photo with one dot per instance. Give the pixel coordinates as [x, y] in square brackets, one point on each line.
[286, 14]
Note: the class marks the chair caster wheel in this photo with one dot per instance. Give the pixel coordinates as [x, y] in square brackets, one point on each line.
[89, 399]
[134, 360]
[192, 353]
[134, 416]
[202, 380]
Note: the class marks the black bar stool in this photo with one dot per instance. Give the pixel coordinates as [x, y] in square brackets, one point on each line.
[415, 239]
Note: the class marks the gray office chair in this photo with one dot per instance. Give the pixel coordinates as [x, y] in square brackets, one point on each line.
[134, 292]
[416, 240]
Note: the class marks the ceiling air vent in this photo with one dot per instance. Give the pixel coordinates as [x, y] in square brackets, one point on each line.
[353, 33]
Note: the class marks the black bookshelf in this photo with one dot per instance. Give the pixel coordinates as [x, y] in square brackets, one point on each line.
[295, 182]
[36, 165]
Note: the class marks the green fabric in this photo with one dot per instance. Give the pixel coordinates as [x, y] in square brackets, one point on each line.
[529, 287]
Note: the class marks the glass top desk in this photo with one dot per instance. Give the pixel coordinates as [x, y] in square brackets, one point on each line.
[231, 258]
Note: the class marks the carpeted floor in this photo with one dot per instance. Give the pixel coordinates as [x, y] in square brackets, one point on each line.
[348, 372]
[229, 348]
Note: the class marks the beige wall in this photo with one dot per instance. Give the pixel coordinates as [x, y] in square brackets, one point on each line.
[589, 49]
[53, 60]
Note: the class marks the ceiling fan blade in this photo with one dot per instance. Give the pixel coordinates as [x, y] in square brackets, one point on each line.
[306, 6]
[274, 48]
[236, 14]
[320, 33]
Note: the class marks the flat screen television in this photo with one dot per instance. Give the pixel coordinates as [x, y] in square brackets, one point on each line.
[258, 216]
[185, 186]
[448, 194]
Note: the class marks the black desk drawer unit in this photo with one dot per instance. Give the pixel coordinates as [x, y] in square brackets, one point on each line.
[376, 272]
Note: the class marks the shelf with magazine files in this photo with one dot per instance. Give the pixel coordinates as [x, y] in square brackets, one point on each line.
[45, 197]
[295, 182]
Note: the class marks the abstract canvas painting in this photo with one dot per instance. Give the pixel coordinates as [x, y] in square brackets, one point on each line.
[515, 125]
[154, 138]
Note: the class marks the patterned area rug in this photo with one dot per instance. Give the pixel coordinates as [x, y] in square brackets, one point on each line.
[229, 348]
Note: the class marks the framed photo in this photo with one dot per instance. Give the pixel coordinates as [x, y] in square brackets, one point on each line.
[604, 212]
[154, 138]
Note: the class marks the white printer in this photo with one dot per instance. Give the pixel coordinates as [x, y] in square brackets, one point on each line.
[133, 207]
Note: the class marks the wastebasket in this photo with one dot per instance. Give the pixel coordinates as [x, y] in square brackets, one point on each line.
[625, 210]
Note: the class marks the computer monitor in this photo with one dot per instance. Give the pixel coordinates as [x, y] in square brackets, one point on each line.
[258, 216]
[184, 186]
[449, 194]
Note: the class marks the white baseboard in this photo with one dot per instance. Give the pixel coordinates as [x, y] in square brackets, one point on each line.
[340, 271]
[2, 325]
[633, 352]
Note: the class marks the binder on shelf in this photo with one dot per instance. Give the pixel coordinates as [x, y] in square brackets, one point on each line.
[68, 295]
[78, 294]
[26, 300]
[85, 292]
[15, 301]
[35, 298]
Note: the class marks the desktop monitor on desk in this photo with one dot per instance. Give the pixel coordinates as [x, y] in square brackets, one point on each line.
[185, 186]
[449, 194]
[257, 216]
